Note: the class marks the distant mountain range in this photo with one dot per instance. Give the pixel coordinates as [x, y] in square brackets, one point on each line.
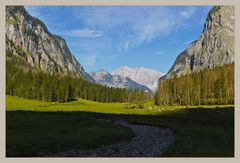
[144, 76]
[126, 77]
[112, 80]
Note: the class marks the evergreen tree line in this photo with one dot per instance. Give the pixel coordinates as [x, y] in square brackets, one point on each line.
[24, 81]
[210, 86]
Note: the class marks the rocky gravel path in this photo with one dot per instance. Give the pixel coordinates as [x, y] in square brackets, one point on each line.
[149, 142]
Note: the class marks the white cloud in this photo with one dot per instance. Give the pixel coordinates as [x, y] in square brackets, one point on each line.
[87, 33]
[126, 27]
[151, 30]
[134, 26]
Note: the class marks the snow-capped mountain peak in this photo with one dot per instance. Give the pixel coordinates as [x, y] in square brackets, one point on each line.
[105, 78]
[141, 75]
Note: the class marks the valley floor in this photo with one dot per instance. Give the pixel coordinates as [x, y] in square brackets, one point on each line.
[35, 127]
[149, 142]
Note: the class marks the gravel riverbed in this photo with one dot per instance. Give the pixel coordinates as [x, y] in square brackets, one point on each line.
[149, 141]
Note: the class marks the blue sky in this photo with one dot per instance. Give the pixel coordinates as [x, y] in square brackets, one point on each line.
[135, 36]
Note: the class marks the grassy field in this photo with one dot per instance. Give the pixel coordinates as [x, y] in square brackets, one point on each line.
[31, 132]
[14, 103]
[82, 124]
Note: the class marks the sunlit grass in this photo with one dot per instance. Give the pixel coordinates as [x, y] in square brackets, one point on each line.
[14, 103]
[206, 130]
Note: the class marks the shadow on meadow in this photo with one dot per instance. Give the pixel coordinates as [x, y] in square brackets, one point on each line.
[197, 132]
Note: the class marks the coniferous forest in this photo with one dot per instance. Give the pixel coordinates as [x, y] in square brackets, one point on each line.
[208, 87]
[24, 81]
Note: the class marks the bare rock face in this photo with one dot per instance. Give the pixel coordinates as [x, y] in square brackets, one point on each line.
[144, 76]
[112, 80]
[215, 46]
[40, 48]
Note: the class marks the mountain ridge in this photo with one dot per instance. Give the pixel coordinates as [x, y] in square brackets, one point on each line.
[112, 80]
[43, 50]
[141, 75]
[214, 47]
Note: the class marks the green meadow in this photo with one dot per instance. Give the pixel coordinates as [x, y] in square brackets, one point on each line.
[14, 103]
[35, 126]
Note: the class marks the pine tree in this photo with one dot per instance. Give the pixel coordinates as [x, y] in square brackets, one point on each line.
[211, 86]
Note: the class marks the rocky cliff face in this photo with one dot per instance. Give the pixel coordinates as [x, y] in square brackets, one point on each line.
[105, 78]
[40, 48]
[215, 46]
[144, 76]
